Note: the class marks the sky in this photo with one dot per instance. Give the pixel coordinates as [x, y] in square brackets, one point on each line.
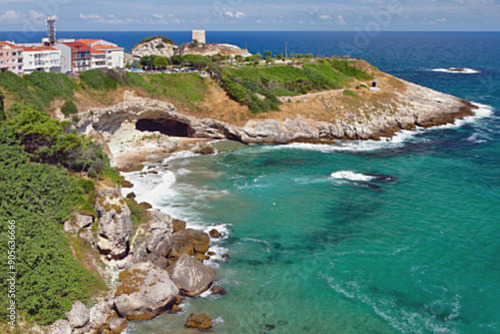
[244, 15]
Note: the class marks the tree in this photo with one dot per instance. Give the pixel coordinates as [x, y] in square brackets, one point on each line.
[160, 62]
[268, 54]
[147, 62]
[279, 56]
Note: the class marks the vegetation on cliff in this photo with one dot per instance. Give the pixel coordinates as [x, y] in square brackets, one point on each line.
[37, 154]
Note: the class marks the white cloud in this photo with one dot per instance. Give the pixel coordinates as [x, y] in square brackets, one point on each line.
[157, 16]
[238, 15]
[340, 20]
[11, 16]
[36, 16]
[326, 17]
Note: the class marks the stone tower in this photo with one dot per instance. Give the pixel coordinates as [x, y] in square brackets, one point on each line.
[199, 35]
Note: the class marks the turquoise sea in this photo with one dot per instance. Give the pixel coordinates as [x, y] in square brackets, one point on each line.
[316, 245]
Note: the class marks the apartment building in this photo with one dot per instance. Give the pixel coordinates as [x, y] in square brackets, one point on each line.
[114, 54]
[41, 58]
[75, 57]
[11, 58]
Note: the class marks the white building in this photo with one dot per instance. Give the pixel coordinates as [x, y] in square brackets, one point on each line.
[41, 58]
[98, 59]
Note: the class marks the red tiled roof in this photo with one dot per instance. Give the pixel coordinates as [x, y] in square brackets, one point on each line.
[97, 51]
[77, 46]
[87, 41]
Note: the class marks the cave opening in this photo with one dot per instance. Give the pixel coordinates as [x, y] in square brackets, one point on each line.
[166, 126]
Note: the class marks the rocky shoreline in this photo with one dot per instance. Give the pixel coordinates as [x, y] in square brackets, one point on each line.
[150, 269]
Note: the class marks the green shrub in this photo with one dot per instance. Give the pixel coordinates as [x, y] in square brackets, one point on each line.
[98, 80]
[160, 46]
[350, 93]
[69, 108]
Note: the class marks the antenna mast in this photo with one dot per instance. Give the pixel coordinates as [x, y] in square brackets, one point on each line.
[51, 29]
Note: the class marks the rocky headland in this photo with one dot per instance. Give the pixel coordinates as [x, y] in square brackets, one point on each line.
[159, 127]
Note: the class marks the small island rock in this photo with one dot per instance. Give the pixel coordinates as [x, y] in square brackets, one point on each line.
[199, 321]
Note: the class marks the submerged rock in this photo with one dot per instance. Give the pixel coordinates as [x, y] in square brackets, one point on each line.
[191, 276]
[199, 321]
[145, 291]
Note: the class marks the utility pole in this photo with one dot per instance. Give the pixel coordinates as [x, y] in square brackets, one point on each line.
[286, 50]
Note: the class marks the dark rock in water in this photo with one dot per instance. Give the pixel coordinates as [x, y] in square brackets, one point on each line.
[201, 257]
[175, 309]
[127, 184]
[267, 327]
[217, 290]
[145, 205]
[211, 253]
[215, 234]
[369, 185]
[226, 257]
[131, 195]
[189, 242]
[382, 178]
[198, 321]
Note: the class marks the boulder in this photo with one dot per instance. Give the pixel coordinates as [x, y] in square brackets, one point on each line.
[117, 325]
[160, 221]
[141, 254]
[99, 314]
[79, 315]
[61, 327]
[179, 225]
[127, 184]
[203, 148]
[214, 233]
[199, 321]
[83, 221]
[145, 291]
[159, 243]
[191, 276]
[114, 224]
[69, 228]
[188, 241]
